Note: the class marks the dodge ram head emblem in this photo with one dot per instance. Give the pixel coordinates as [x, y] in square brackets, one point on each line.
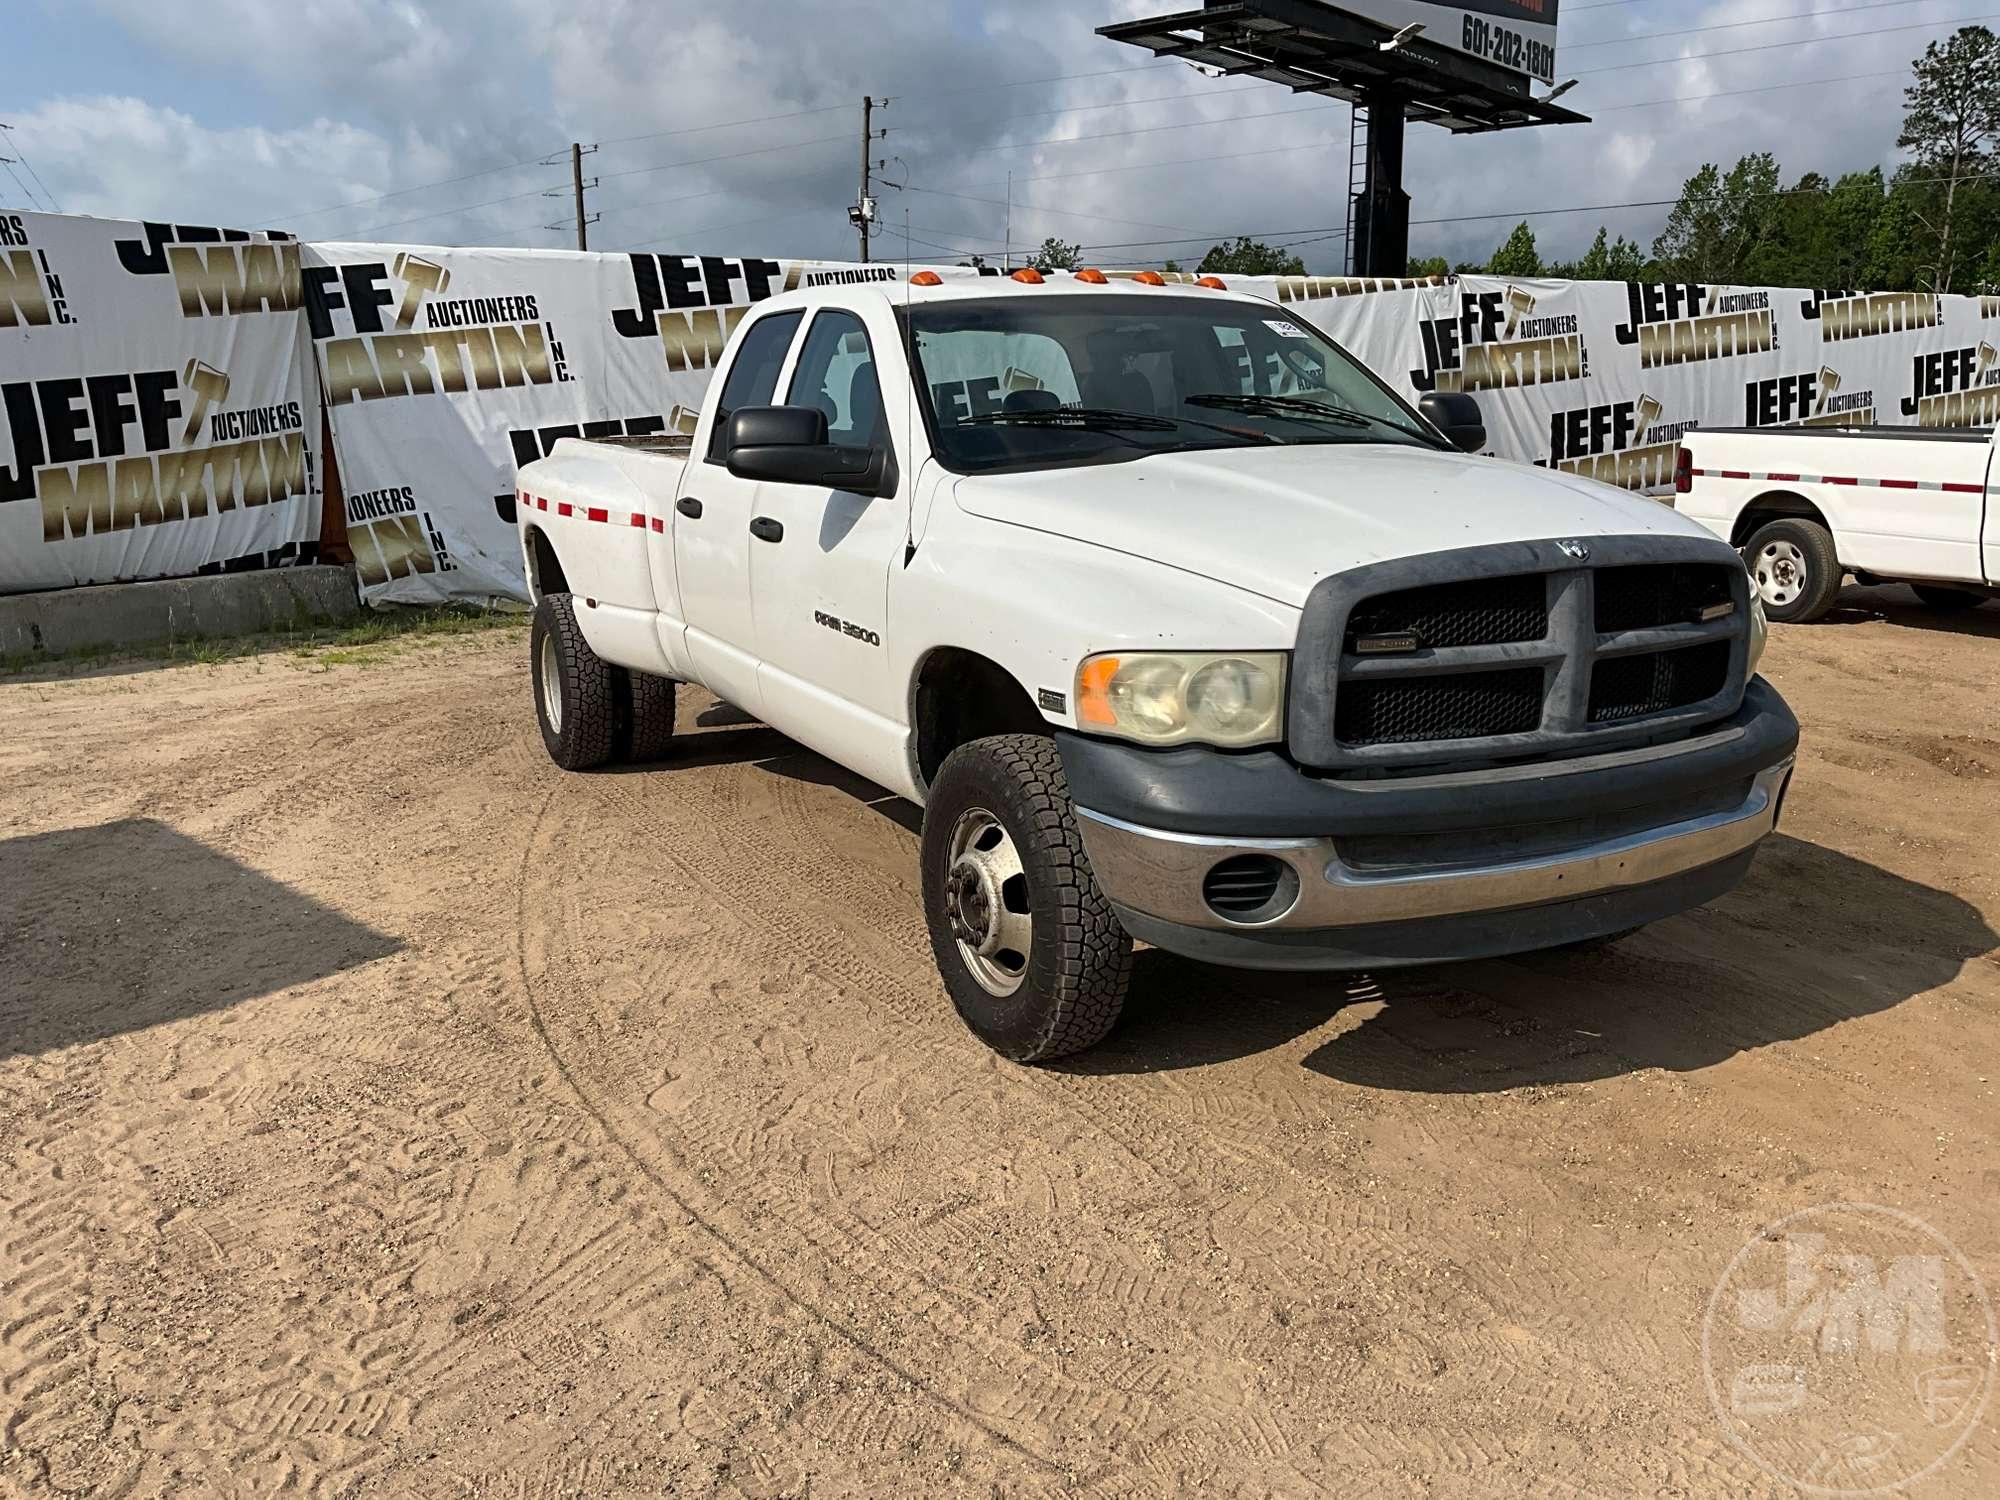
[1577, 550]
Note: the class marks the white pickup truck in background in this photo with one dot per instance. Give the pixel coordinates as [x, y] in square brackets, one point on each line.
[1180, 626]
[1808, 505]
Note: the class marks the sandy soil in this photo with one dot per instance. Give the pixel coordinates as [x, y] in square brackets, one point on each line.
[386, 1111]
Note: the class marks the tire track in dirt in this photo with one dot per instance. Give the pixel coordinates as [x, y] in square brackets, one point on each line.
[728, 1237]
[910, 1013]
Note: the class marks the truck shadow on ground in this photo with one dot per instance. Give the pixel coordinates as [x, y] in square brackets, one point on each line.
[120, 926]
[1811, 938]
[1895, 604]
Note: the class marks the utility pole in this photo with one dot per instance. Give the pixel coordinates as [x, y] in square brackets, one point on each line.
[862, 214]
[867, 145]
[574, 192]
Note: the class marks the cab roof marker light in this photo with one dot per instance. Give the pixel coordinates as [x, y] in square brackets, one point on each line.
[1027, 275]
[1094, 276]
[1213, 283]
[1150, 278]
[927, 278]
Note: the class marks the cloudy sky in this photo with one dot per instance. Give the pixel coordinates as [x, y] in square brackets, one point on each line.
[732, 126]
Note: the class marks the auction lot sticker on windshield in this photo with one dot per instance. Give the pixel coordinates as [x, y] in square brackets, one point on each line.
[1286, 330]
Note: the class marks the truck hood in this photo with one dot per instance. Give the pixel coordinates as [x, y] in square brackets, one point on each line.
[1276, 520]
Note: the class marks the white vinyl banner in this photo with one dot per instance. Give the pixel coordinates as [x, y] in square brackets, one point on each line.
[1602, 378]
[154, 409]
[444, 370]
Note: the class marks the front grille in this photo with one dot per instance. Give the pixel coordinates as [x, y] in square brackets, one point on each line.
[1458, 706]
[1649, 595]
[1634, 687]
[1475, 612]
[1538, 649]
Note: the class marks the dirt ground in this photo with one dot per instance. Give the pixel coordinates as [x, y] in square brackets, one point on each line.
[384, 1111]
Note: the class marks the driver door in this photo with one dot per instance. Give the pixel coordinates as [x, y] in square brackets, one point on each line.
[819, 567]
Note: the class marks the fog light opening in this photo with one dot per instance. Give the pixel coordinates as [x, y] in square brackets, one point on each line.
[1250, 889]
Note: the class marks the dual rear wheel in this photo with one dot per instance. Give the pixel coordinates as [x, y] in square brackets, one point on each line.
[592, 713]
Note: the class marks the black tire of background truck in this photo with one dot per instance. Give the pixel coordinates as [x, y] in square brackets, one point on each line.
[1947, 601]
[1821, 584]
[645, 706]
[1080, 962]
[579, 734]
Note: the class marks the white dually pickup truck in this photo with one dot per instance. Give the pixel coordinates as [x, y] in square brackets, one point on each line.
[1809, 505]
[1180, 626]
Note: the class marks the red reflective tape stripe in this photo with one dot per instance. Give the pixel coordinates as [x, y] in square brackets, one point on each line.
[658, 524]
[596, 513]
[1783, 478]
[1897, 484]
[1838, 479]
[563, 507]
[638, 520]
[1965, 489]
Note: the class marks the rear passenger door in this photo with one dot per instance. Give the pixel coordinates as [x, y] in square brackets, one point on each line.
[820, 576]
[711, 523]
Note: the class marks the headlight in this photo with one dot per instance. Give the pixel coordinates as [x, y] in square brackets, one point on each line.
[1221, 698]
[1760, 631]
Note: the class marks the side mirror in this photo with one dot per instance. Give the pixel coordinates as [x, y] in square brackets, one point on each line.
[1456, 415]
[787, 445]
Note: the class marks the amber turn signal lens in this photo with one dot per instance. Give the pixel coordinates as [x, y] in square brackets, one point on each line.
[1093, 691]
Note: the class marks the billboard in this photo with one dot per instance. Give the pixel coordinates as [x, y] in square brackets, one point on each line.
[1518, 36]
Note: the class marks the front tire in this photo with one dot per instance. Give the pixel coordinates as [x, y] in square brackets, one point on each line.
[1030, 951]
[1793, 569]
[574, 698]
[1947, 601]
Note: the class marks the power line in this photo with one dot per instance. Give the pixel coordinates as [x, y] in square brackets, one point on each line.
[405, 192]
[1807, 41]
[1737, 25]
[21, 157]
[734, 124]
[1808, 15]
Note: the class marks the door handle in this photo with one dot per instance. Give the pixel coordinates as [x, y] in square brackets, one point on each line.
[688, 506]
[767, 530]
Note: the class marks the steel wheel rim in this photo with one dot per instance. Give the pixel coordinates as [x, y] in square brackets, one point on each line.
[551, 673]
[1780, 572]
[986, 902]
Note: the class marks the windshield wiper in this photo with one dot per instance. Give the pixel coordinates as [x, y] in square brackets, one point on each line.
[1305, 408]
[1101, 417]
[1108, 419]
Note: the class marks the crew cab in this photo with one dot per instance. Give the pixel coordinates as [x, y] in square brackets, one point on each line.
[1179, 625]
[1809, 505]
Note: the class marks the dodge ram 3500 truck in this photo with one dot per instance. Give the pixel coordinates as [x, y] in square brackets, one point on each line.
[1809, 505]
[1179, 625]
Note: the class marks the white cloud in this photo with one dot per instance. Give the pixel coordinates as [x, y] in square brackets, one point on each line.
[403, 95]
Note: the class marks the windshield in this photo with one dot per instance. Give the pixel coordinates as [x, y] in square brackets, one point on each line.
[1022, 382]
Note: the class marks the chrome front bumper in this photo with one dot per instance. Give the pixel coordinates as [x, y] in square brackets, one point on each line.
[1160, 874]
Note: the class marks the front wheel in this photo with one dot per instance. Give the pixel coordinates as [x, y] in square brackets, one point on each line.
[1794, 569]
[1947, 601]
[1030, 951]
